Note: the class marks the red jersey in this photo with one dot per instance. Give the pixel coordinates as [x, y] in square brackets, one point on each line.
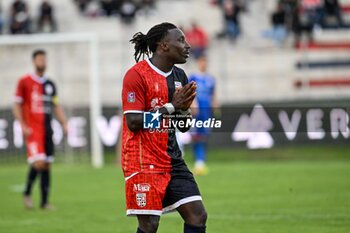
[38, 97]
[145, 88]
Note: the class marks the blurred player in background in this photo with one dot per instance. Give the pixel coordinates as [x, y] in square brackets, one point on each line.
[202, 108]
[35, 102]
[157, 178]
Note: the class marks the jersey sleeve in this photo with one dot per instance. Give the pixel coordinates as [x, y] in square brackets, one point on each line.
[191, 78]
[55, 99]
[20, 92]
[184, 78]
[133, 93]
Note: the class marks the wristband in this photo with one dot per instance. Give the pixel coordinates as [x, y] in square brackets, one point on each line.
[169, 107]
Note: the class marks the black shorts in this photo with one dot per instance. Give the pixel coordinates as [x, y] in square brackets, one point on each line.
[181, 189]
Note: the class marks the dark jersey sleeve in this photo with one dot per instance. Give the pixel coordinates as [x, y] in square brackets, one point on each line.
[177, 79]
[54, 95]
[183, 77]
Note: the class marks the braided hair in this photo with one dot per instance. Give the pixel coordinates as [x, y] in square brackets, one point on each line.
[146, 44]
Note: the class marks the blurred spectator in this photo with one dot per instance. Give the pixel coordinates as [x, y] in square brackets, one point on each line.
[110, 7]
[19, 20]
[82, 5]
[46, 22]
[149, 3]
[290, 8]
[204, 107]
[93, 9]
[128, 11]
[332, 8]
[307, 17]
[312, 13]
[1, 20]
[278, 21]
[292, 19]
[198, 39]
[147, 6]
[231, 11]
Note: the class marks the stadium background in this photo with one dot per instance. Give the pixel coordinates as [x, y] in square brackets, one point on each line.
[294, 180]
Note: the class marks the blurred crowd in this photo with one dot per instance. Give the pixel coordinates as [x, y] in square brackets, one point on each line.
[303, 17]
[125, 9]
[290, 18]
[20, 21]
[231, 11]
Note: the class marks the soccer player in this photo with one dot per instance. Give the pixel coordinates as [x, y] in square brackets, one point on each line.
[35, 102]
[157, 178]
[203, 108]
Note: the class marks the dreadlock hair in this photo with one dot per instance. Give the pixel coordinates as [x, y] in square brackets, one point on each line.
[146, 44]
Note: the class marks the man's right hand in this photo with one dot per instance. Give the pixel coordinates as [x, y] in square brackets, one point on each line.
[183, 97]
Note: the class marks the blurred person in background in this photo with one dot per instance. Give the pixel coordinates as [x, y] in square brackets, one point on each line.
[198, 39]
[148, 6]
[278, 33]
[203, 108]
[332, 8]
[46, 21]
[1, 20]
[291, 15]
[298, 23]
[309, 18]
[110, 7]
[128, 11]
[231, 10]
[20, 22]
[82, 5]
[35, 102]
[312, 13]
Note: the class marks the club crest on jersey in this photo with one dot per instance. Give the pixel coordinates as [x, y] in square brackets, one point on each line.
[141, 199]
[178, 84]
[48, 89]
[154, 102]
[131, 97]
[144, 187]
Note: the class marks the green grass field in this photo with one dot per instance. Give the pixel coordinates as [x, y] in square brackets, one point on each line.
[301, 190]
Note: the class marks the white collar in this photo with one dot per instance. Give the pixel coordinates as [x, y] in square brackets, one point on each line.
[38, 79]
[158, 70]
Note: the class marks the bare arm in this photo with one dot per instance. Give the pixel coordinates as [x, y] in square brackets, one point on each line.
[17, 112]
[194, 107]
[61, 117]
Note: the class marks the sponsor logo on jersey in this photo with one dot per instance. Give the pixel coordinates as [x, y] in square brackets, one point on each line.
[48, 89]
[144, 187]
[131, 97]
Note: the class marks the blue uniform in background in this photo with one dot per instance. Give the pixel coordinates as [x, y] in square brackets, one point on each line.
[204, 98]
